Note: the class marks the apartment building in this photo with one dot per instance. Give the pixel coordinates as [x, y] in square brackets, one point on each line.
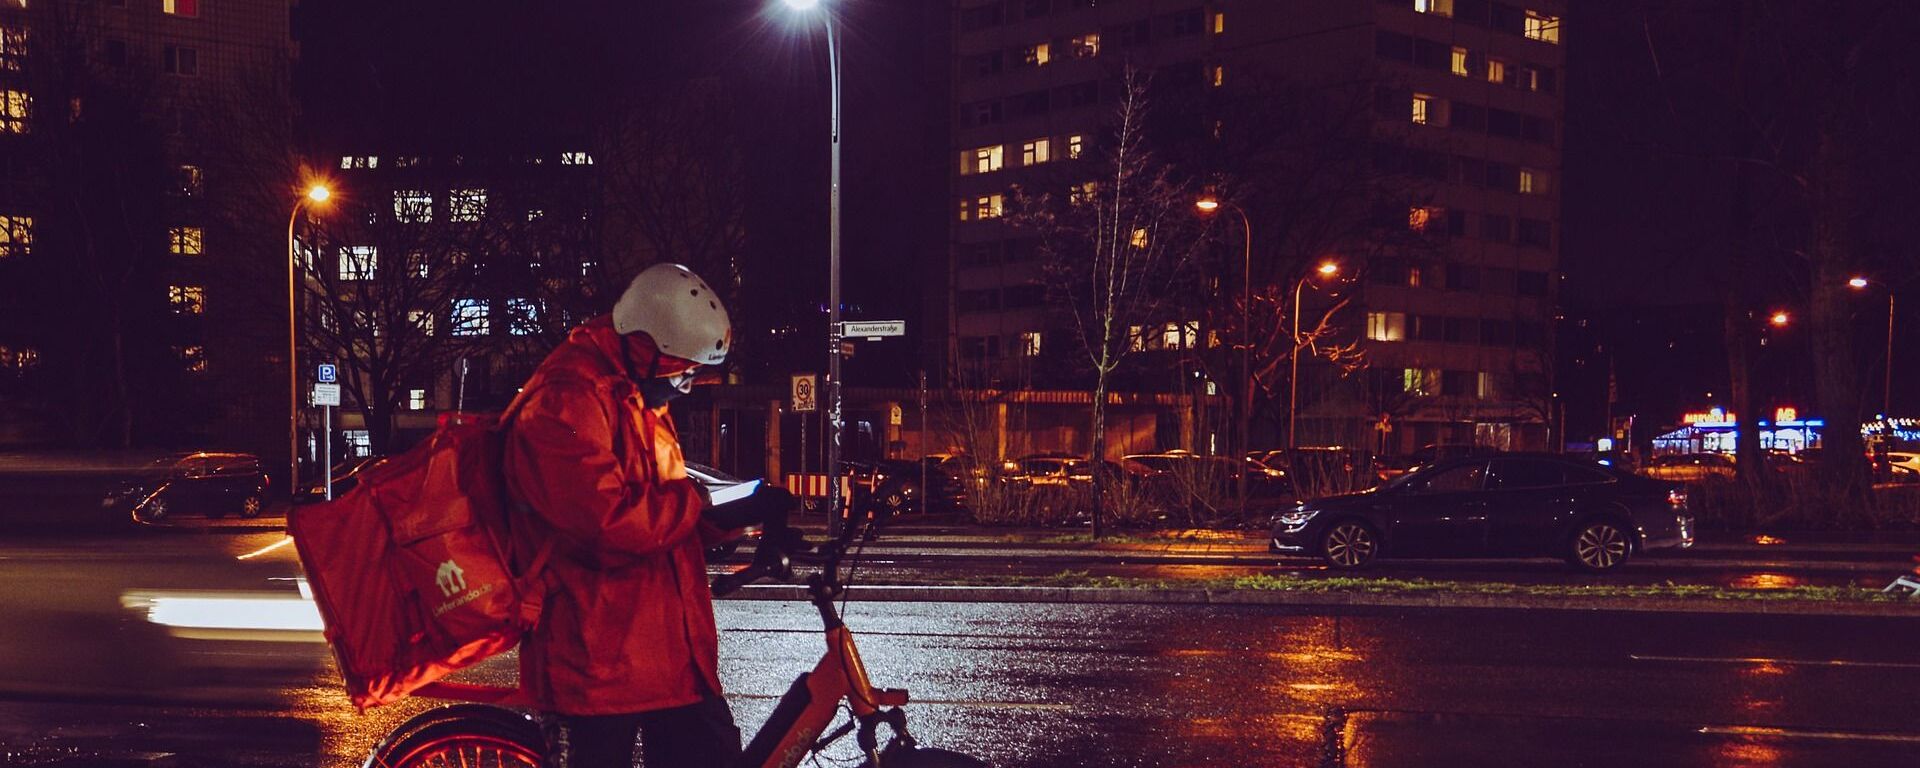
[128, 310]
[1466, 95]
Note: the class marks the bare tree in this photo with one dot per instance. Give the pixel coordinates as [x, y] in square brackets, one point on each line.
[1116, 248]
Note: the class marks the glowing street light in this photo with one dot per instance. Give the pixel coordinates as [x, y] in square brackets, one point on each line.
[1327, 269]
[834, 423]
[1780, 319]
[1208, 204]
[1857, 283]
[1860, 283]
[317, 194]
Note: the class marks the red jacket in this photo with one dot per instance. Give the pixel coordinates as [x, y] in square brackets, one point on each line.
[628, 621]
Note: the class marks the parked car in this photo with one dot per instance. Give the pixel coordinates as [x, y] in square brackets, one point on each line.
[1690, 467]
[1904, 467]
[202, 483]
[1509, 505]
[1216, 475]
[346, 475]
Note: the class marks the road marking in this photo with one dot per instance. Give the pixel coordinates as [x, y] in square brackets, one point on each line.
[1785, 733]
[1031, 706]
[1778, 662]
[268, 548]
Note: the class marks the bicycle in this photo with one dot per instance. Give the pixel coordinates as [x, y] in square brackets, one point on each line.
[483, 731]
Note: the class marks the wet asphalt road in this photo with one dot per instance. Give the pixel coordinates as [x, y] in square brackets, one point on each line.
[90, 682]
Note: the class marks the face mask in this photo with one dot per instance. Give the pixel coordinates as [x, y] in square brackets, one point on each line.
[661, 391]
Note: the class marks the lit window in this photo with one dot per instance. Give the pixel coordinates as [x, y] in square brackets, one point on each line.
[1217, 75]
[18, 360]
[184, 241]
[13, 47]
[1036, 152]
[364, 319]
[406, 161]
[982, 160]
[187, 181]
[1485, 387]
[1542, 27]
[535, 214]
[1136, 339]
[1387, 326]
[1036, 55]
[576, 158]
[1435, 7]
[982, 208]
[1419, 381]
[1075, 145]
[186, 8]
[470, 318]
[14, 106]
[16, 236]
[1422, 109]
[523, 317]
[1460, 61]
[180, 60]
[1496, 71]
[412, 205]
[1421, 218]
[416, 399]
[187, 299]
[1220, 22]
[1139, 238]
[1082, 193]
[422, 320]
[466, 204]
[193, 357]
[1029, 344]
[359, 442]
[1177, 336]
[359, 162]
[1529, 183]
[1085, 46]
[357, 262]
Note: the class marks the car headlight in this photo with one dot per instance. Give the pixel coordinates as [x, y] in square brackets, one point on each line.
[1297, 516]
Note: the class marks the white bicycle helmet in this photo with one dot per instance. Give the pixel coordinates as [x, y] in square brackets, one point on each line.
[679, 310]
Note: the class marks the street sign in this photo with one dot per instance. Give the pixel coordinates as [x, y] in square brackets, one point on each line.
[326, 394]
[874, 329]
[846, 349]
[804, 388]
[894, 415]
[328, 373]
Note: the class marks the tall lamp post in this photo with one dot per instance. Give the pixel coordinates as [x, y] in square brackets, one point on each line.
[1886, 384]
[1326, 269]
[834, 425]
[1208, 205]
[316, 194]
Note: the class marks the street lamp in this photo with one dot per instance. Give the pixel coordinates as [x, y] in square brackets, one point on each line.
[1207, 205]
[1780, 319]
[1886, 384]
[834, 425]
[1326, 269]
[318, 195]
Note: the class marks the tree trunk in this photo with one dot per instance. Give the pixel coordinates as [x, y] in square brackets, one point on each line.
[1099, 453]
[1836, 382]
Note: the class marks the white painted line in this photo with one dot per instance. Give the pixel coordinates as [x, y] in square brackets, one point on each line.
[1778, 662]
[1786, 733]
[1031, 706]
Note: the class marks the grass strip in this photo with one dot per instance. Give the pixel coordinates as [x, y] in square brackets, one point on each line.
[1264, 582]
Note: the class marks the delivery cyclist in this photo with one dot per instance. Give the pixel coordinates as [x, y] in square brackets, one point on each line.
[626, 644]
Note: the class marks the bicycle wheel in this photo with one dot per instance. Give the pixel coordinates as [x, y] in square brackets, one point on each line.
[462, 736]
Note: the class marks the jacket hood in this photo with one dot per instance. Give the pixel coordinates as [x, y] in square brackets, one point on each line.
[613, 348]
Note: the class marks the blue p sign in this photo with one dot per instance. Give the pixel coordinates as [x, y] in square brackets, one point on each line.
[327, 373]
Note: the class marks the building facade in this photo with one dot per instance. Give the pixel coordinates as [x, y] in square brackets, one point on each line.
[1464, 115]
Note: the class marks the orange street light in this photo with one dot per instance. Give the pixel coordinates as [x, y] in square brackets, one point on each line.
[1326, 269]
[1329, 269]
[1207, 204]
[1857, 283]
[1780, 319]
[317, 194]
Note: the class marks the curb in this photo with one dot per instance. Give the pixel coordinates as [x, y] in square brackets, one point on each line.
[1283, 598]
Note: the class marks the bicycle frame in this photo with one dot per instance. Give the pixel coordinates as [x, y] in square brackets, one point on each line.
[793, 729]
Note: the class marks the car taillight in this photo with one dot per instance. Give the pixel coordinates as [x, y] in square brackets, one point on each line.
[1677, 497]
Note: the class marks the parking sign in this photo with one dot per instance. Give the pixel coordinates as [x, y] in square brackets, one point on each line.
[327, 373]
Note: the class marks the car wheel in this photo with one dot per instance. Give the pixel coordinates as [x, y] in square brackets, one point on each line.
[1599, 546]
[251, 506]
[1349, 544]
[157, 508]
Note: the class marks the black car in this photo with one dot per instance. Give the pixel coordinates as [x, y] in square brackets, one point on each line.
[346, 475]
[1506, 505]
[210, 484]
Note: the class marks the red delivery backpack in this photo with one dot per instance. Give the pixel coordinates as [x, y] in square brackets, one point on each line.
[411, 569]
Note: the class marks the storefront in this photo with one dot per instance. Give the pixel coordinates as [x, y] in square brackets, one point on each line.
[1716, 431]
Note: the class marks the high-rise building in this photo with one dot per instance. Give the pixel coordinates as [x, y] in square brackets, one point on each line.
[1463, 111]
[129, 309]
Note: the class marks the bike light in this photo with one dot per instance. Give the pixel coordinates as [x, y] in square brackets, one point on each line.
[1677, 497]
